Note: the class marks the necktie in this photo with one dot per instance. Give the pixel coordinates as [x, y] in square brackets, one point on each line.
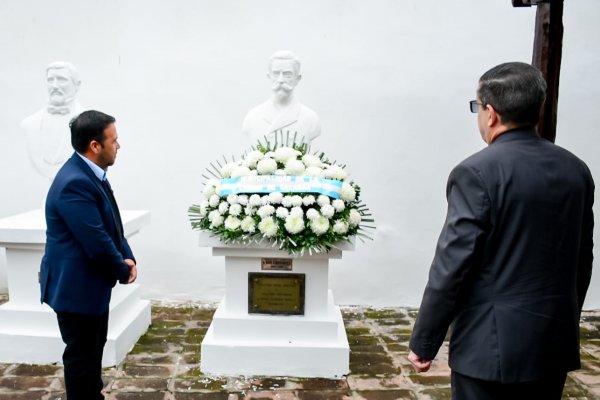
[114, 207]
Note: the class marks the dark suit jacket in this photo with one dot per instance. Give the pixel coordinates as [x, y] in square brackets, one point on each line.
[85, 247]
[512, 264]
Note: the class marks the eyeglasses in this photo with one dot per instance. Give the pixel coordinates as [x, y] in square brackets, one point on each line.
[473, 105]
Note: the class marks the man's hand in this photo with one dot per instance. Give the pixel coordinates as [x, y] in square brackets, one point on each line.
[132, 270]
[421, 365]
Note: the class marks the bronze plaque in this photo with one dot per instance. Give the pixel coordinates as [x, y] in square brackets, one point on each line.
[276, 264]
[273, 293]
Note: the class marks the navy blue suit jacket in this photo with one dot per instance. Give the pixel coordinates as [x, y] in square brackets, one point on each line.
[85, 247]
[512, 264]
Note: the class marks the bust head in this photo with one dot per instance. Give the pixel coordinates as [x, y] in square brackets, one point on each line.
[63, 83]
[284, 73]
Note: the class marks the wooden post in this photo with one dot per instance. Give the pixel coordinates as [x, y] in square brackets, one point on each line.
[547, 54]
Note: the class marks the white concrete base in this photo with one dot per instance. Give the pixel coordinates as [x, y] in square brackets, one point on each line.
[276, 345]
[30, 335]
[240, 343]
[28, 330]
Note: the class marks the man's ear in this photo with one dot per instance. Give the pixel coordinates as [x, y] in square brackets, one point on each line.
[299, 78]
[493, 116]
[95, 146]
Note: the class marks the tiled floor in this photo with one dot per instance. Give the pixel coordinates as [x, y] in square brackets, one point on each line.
[164, 365]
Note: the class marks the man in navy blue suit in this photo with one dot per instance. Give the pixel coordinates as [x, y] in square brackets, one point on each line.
[86, 252]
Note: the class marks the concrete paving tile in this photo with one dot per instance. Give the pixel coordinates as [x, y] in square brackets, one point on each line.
[321, 384]
[36, 370]
[200, 384]
[201, 396]
[25, 382]
[140, 396]
[394, 394]
[148, 370]
[140, 385]
[30, 395]
[323, 395]
[151, 359]
[444, 393]
[269, 395]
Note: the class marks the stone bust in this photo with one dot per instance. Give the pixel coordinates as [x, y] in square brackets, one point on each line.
[47, 131]
[282, 112]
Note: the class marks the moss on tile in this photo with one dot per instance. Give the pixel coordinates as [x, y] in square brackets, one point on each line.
[423, 379]
[439, 393]
[395, 394]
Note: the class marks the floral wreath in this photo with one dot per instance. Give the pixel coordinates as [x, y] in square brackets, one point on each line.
[279, 193]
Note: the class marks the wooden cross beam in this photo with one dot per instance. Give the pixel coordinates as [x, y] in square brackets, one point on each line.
[547, 55]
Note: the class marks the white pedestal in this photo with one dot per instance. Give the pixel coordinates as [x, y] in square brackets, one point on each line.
[28, 329]
[240, 343]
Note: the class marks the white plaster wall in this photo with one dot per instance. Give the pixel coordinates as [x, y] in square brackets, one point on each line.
[390, 80]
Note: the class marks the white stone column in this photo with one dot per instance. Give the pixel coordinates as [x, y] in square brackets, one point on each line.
[28, 329]
[241, 343]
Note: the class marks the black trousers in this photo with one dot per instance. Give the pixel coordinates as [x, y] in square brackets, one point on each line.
[84, 337]
[467, 388]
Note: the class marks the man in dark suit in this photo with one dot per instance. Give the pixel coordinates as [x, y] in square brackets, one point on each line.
[514, 258]
[86, 252]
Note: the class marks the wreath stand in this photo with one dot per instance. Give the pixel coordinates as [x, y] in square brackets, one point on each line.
[277, 317]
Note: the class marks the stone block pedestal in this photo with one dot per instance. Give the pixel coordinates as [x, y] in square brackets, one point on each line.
[28, 330]
[242, 343]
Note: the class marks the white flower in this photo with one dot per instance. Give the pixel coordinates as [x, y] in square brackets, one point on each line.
[335, 172]
[323, 200]
[314, 172]
[294, 224]
[308, 200]
[208, 190]
[232, 199]
[287, 201]
[347, 193]
[312, 214]
[240, 171]
[354, 218]
[297, 212]
[340, 227]
[319, 226]
[249, 210]
[275, 197]
[280, 172]
[266, 166]
[254, 200]
[228, 169]
[232, 223]
[265, 211]
[218, 190]
[311, 160]
[268, 227]
[283, 154]
[203, 206]
[248, 225]
[253, 172]
[327, 211]
[282, 212]
[213, 214]
[264, 200]
[243, 199]
[223, 207]
[217, 221]
[253, 158]
[296, 201]
[214, 200]
[294, 167]
[338, 205]
[235, 209]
